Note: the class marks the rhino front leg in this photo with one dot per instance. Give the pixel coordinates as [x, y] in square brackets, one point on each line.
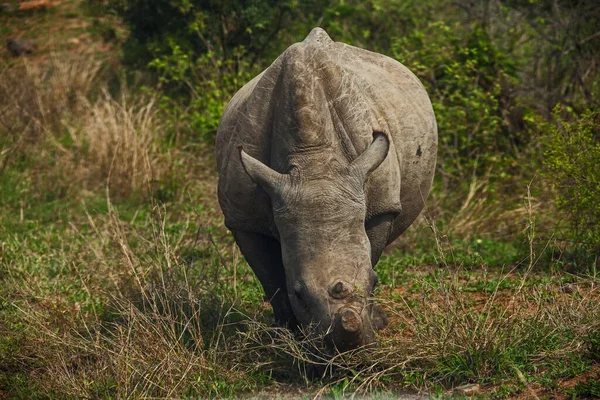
[379, 230]
[263, 253]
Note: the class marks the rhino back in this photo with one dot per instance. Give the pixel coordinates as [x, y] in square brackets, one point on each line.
[319, 104]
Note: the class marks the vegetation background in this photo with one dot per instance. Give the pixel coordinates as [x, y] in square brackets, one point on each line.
[118, 279]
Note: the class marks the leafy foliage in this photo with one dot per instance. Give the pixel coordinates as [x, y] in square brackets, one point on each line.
[571, 158]
[203, 51]
[559, 40]
[464, 73]
[202, 26]
[200, 89]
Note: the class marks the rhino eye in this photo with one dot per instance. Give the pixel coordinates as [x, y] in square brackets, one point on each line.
[374, 279]
[299, 295]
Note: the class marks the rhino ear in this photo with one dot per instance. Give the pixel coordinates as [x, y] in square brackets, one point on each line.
[268, 179]
[372, 158]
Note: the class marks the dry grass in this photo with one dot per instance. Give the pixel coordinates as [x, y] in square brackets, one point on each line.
[66, 122]
[130, 323]
[118, 140]
[146, 323]
[477, 211]
[35, 97]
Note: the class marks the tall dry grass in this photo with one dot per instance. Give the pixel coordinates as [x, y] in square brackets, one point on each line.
[36, 96]
[126, 321]
[61, 118]
[117, 142]
[154, 331]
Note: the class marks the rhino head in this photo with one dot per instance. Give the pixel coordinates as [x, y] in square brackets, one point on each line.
[325, 248]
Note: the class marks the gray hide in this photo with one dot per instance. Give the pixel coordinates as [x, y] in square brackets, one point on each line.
[324, 159]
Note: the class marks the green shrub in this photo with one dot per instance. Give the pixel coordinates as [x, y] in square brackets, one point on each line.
[200, 26]
[571, 160]
[201, 52]
[196, 90]
[465, 75]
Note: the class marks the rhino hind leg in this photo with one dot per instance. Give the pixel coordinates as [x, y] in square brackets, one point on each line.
[263, 253]
[379, 229]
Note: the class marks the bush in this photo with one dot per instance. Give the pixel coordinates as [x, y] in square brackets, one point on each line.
[197, 90]
[571, 159]
[201, 52]
[201, 26]
[465, 75]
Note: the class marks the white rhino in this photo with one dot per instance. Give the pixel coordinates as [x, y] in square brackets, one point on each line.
[324, 159]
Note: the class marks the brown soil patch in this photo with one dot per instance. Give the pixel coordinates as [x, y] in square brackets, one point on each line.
[535, 391]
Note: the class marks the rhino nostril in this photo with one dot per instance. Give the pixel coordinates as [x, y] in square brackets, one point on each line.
[338, 290]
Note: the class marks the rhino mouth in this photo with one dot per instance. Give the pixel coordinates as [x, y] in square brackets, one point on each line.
[348, 330]
[352, 327]
[347, 319]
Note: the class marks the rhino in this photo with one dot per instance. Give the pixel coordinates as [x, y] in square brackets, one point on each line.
[324, 159]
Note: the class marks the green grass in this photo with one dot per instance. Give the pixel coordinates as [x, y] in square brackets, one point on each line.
[77, 274]
[586, 389]
[83, 276]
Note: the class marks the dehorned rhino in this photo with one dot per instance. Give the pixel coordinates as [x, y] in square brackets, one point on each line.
[324, 159]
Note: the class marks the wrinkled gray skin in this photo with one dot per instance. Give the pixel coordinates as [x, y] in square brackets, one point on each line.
[325, 158]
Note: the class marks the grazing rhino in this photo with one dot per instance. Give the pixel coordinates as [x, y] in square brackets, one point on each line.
[324, 159]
